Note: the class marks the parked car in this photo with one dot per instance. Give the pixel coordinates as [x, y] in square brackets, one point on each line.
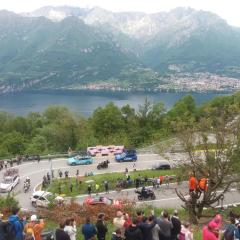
[43, 199]
[161, 166]
[118, 150]
[10, 180]
[80, 160]
[92, 151]
[105, 150]
[100, 200]
[127, 155]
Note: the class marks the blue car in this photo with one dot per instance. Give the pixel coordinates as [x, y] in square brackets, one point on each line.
[127, 156]
[80, 160]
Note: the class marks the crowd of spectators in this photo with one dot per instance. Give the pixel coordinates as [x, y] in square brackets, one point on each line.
[137, 227]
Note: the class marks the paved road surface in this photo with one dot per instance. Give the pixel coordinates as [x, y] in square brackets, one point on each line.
[166, 196]
[35, 171]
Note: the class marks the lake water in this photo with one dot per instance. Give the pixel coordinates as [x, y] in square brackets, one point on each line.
[85, 102]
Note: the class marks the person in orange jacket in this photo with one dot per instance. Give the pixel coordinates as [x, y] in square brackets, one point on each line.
[203, 184]
[35, 227]
[192, 183]
[161, 179]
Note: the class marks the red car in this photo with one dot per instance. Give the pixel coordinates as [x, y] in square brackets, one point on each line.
[96, 200]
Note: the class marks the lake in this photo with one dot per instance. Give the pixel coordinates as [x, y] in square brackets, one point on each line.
[85, 102]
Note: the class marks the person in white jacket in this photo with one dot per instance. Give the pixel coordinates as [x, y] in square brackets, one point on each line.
[70, 228]
[186, 231]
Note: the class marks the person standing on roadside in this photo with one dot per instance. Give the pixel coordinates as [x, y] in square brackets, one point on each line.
[89, 189]
[165, 226]
[48, 178]
[38, 158]
[134, 166]
[60, 173]
[117, 235]
[59, 189]
[88, 230]
[35, 227]
[101, 227]
[16, 224]
[3, 226]
[133, 232]
[176, 226]
[70, 228]
[106, 186]
[146, 227]
[6, 164]
[11, 162]
[71, 187]
[97, 188]
[60, 234]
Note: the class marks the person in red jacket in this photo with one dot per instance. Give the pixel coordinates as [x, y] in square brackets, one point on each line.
[127, 220]
[161, 179]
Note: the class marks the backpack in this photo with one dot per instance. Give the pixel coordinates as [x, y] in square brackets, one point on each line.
[29, 231]
[181, 236]
[229, 234]
[10, 231]
[28, 236]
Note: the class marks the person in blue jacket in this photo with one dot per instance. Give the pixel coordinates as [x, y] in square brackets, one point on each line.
[88, 229]
[17, 224]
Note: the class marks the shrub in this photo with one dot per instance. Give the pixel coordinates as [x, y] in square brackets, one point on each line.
[7, 203]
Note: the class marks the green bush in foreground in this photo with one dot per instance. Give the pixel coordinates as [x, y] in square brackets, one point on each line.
[7, 203]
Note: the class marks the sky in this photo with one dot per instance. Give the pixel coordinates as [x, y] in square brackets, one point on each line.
[227, 9]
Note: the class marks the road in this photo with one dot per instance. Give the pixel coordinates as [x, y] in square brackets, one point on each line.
[166, 196]
[35, 171]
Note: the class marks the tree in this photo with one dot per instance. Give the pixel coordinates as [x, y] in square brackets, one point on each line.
[18, 124]
[38, 145]
[14, 142]
[213, 152]
[106, 122]
[183, 112]
[59, 128]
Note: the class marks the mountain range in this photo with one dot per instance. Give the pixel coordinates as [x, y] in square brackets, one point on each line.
[76, 48]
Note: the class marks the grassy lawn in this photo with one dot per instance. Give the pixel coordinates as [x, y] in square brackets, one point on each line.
[81, 188]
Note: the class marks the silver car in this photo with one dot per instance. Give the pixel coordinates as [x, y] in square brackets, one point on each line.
[43, 199]
[9, 183]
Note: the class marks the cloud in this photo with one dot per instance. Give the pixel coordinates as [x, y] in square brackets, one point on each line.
[227, 9]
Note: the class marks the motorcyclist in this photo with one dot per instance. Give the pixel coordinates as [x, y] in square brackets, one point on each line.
[28, 181]
[26, 184]
[144, 192]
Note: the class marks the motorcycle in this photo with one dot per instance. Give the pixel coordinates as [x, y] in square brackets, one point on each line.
[103, 164]
[147, 194]
[26, 186]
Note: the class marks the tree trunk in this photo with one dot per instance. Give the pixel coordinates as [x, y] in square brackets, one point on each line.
[200, 210]
[192, 214]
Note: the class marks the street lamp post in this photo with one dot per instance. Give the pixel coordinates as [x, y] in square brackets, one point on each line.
[50, 168]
